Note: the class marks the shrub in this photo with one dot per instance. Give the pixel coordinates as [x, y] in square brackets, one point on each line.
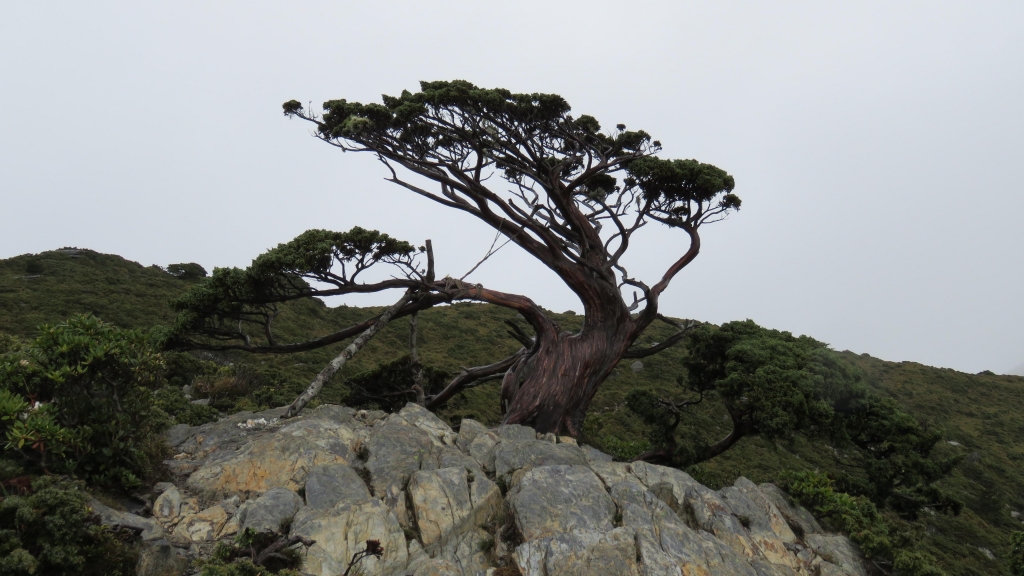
[79, 400]
[885, 539]
[53, 532]
[1016, 559]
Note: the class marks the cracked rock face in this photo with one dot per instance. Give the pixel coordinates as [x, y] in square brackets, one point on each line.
[434, 499]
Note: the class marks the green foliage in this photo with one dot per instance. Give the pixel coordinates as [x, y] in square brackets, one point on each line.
[880, 537]
[222, 306]
[1016, 558]
[774, 385]
[189, 271]
[79, 400]
[52, 531]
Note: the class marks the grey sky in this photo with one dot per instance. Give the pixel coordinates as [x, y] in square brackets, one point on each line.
[878, 148]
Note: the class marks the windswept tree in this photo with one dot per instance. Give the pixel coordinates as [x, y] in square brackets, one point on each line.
[556, 185]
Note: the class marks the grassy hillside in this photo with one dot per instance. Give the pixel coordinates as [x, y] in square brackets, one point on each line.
[981, 414]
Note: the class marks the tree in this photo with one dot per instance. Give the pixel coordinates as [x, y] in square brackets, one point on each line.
[775, 385]
[187, 271]
[555, 185]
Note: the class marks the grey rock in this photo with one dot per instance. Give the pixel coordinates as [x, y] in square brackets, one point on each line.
[418, 416]
[512, 456]
[202, 526]
[342, 531]
[161, 487]
[637, 366]
[202, 402]
[448, 457]
[159, 558]
[838, 550]
[437, 567]
[395, 451]
[268, 512]
[799, 519]
[168, 505]
[594, 455]
[580, 553]
[177, 434]
[150, 529]
[516, 433]
[553, 499]
[447, 503]
[469, 429]
[482, 448]
[331, 484]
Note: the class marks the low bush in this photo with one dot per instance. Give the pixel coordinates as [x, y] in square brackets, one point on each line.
[79, 400]
[52, 531]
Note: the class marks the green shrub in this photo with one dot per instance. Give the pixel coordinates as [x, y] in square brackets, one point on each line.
[175, 404]
[886, 539]
[79, 400]
[237, 558]
[53, 532]
[1016, 559]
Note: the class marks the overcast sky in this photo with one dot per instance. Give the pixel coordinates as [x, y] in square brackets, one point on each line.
[878, 149]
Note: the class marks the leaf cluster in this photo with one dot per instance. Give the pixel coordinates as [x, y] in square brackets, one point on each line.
[237, 304]
[79, 399]
[52, 531]
[885, 539]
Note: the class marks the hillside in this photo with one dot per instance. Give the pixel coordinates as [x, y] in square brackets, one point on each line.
[979, 414]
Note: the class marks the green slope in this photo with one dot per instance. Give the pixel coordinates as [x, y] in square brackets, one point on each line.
[981, 413]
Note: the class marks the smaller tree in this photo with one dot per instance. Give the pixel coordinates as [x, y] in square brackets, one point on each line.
[774, 385]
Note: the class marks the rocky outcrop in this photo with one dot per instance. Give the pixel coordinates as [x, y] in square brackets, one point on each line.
[466, 503]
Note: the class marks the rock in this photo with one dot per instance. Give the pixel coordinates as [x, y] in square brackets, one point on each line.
[167, 505]
[650, 474]
[159, 558]
[418, 416]
[838, 550]
[150, 529]
[799, 519]
[395, 451]
[437, 567]
[553, 499]
[448, 457]
[637, 366]
[201, 527]
[512, 456]
[446, 503]
[161, 487]
[274, 508]
[177, 434]
[759, 527]
[516, 433]
[776, 521]
[341, 532]
[611, 473]
[469, 429]
[482, 448]
[274, 461]
[711, 513]
[594, 455]
[331, 484]
[580, 553]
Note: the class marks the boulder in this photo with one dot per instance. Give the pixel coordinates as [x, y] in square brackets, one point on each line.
[149, 529]
[167, 505]
[273, 461]
[712, 514]
[550, 500]
[342, 531]
[419, 417]
[799, 519]
[469, 429]
[202, 526]
[437, 567]
[447, 502]
[511, 456]
[328, 485]
[395, 451]
[271, 510]
[580, 553]
[838, 550]
[159, 558]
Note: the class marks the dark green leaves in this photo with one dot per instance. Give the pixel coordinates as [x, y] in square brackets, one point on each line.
[681, 180]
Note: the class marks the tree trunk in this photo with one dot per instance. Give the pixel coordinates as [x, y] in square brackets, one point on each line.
[551, 389]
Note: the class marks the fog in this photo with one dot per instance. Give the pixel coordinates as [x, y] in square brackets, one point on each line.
[877, 147]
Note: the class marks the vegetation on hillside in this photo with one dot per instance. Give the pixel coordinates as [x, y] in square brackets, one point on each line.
[978, 416]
